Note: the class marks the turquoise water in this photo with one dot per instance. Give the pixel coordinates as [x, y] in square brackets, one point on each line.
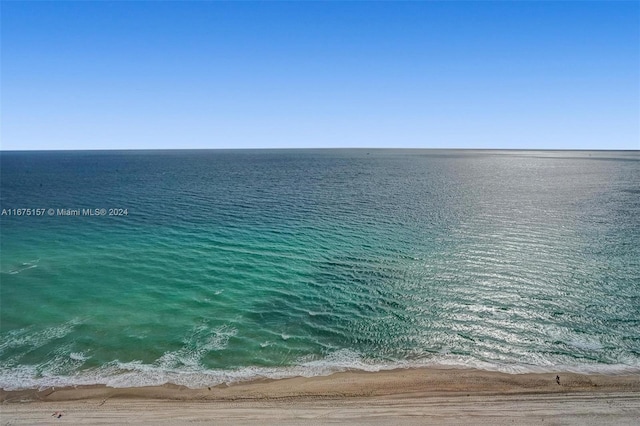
[233, 265]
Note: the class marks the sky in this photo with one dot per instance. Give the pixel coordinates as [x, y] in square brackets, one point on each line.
[156, 75]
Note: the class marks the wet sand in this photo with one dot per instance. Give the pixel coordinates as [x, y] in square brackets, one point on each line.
[404, 396]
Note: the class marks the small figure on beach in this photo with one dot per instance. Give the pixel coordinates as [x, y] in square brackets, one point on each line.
[57, 414]
[558, 379]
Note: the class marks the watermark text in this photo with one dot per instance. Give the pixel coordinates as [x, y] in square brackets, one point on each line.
[64, 211]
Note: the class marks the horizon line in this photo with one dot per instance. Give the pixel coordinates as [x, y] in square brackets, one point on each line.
[319, 148]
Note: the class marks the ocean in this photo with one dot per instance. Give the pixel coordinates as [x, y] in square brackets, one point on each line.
[202, 267]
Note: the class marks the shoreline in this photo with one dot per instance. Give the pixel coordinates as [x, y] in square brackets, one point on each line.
[350, 384]
[403, 396]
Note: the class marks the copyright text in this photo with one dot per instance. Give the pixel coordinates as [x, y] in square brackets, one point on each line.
[50, 211]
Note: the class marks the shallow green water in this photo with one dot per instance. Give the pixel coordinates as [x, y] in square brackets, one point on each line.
[231, 265]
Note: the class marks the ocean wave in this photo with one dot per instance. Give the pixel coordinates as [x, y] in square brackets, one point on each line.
[201, 341]
[29, 339]
[24, 266]
[118, 374]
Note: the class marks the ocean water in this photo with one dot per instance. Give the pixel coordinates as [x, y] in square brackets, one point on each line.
[222, 266]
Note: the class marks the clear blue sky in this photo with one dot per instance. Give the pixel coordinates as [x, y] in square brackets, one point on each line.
[95, 75]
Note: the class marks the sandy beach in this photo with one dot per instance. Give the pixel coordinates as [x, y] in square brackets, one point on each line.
[406, 396]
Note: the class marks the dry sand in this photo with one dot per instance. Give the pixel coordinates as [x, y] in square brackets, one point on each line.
[406, 396]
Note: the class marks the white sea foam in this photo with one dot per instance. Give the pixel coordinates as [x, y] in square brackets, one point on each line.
[30, 339]
[201, 341]
[134, 374]
[24, 266]
[586, 344]
[78, 356]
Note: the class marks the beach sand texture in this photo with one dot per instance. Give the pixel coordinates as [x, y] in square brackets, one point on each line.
[406, 396]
